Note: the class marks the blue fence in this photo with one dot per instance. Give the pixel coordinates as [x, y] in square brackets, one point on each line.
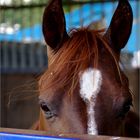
[12, 136]
[23, 48]
[82, 16]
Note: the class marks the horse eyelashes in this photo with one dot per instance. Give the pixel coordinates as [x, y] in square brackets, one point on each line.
[49, 114]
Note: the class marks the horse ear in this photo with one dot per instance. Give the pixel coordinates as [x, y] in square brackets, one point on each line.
[120, 27]
[54, 26]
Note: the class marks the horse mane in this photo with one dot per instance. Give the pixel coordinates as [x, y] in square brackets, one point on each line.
[72, 58]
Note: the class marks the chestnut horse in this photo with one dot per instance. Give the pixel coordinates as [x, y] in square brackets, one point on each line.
[84, 90]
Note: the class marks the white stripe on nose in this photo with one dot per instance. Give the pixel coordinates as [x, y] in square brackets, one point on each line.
[90, 84]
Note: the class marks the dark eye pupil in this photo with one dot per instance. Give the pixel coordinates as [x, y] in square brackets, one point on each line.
[126, 108]
[45, 108]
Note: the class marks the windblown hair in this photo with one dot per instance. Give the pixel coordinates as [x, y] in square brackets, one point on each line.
[72, 58]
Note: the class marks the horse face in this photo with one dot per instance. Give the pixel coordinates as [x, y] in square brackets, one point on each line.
[98, 105]
[85, 98]
[112, 101]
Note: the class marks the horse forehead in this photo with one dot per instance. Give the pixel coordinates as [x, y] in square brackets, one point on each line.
[90, 83]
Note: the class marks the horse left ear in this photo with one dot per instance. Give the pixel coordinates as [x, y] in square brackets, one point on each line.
[54, 26]
[120, 27]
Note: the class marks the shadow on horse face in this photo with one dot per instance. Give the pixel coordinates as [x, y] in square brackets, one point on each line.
[84, 90]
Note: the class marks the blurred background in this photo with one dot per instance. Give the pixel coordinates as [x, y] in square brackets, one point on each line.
[23, 55]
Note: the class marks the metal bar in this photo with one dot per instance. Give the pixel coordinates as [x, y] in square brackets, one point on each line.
[14, 56]
[40, 53]
[4, 7]
[5, 55]
[31, 46]
[23, 56]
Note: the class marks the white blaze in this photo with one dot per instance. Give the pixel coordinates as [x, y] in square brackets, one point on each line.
[90, 84]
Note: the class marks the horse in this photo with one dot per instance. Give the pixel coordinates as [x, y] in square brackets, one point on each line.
[84, 90]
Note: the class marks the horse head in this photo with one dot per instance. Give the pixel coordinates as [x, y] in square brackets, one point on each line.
[84, 90]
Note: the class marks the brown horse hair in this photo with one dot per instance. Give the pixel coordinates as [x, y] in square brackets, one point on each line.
[66, 64]
[26, 92]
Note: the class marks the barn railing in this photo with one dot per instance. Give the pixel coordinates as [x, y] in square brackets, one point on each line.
[21, 47]
[18, 134]
[22, 57]
[19, 57]
[20, 28]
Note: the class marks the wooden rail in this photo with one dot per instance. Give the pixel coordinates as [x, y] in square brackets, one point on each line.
[20, 134]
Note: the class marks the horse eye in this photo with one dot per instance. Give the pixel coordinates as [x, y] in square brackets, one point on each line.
[44, 107]
[125, 109]
[48, 113]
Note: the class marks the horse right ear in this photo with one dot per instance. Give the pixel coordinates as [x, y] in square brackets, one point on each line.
[120, 27]
[54, 26]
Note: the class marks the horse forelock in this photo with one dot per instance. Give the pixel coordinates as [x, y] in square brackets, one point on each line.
[78, 53]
